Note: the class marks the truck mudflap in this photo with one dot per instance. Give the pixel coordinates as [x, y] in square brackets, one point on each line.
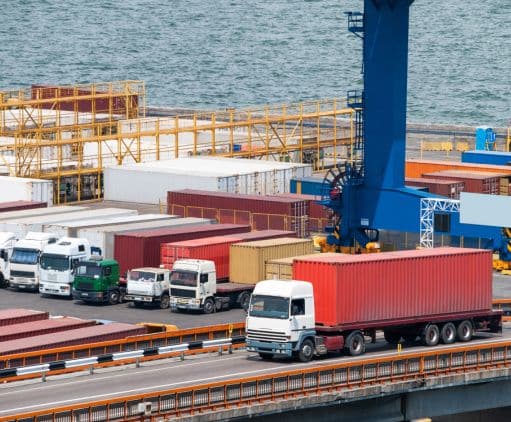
[282, 349]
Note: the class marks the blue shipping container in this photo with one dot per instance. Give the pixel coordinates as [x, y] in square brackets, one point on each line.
[497, 158]
[307, 186]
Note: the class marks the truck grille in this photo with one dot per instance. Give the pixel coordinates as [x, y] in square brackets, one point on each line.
[262, 335]
[182, 293]
[85, 285]
[25, 274]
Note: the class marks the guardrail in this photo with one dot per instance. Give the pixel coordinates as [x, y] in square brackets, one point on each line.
[283, 385]
[124, 345]
[503, 304]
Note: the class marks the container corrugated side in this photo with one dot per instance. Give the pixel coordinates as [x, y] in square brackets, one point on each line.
[142, 249]
[486, 157]
[475, 182]
[21, 205]
[93, 334]
[25, 189]
[282, 269]
[61, 209]
[248, 260]
[416, 167]
[18, 316]
[45, 326]
[397, 285]
[449, 188]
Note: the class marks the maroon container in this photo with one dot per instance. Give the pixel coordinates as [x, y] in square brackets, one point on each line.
[261, 212]
[21, 205]
[101, 105]
[93, 334]
[319, 216]
[389, 286]
[449, 188]
[45, 326]
[18, 316]
[475, 181]
[142, 248]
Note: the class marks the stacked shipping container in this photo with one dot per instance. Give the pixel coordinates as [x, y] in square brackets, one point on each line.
[45, 326]
[21, 205]
[261, 212]
[18, 316]
[319, 216]
[475, 182]
[449, 188]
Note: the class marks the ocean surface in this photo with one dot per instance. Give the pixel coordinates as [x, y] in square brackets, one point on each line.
[237, 53]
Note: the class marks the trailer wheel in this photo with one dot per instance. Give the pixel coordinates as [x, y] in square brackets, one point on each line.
[430, 335]
[306, 351]
[244, 300]
[209, 306]
[391, 337]
[355, 345]
[465, 331]
[113, 297]
[266, 356]
[448, 333]
[164, 301]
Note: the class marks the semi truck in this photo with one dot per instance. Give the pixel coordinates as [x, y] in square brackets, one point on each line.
[148, 285]
[96, 280]
[58, 263]
[7, 241]
[193, 286]
[24, 265]
[435, 295]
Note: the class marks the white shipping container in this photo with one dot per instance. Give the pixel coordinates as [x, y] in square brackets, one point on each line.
[60, 209]
[35, 224]
[70, 229]
[149, 182]
[104, 237]
[24, 189]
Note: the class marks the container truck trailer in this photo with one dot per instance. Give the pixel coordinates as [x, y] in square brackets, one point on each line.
[435, 295]
[7, 241]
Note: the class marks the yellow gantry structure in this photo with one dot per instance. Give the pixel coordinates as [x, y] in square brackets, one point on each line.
[69, 133]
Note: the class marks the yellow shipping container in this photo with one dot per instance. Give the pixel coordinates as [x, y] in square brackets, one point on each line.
[247, 263]
[282, 269]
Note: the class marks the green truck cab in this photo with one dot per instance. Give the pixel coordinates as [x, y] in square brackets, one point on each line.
[97, 280]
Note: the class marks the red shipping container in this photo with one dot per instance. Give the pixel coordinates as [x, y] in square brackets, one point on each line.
[393, 285]
[262, 212]
[21, 205]
[142, 248]
[476, 182]
[18, 316]
[449, 188]
[93, 334]
[319, 216]
[45, 326]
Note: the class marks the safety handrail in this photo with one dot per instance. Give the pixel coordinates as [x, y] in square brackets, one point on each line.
[283, 385]
[130, 343]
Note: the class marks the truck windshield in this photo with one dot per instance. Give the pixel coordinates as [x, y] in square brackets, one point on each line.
[54, 262]
[142, 276]
[269, 307]
[88, 270]
[24, 256]
[183, 278]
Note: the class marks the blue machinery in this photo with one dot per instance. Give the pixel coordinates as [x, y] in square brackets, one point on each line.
[367, 193]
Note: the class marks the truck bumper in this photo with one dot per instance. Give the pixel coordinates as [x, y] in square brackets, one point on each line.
[139, 298]
[187, 304]
[56, 289]
[89, 296]
[24, 283]
[282, 349]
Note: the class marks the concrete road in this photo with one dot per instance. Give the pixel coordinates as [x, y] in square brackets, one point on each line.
[166, 374]
[123, 312]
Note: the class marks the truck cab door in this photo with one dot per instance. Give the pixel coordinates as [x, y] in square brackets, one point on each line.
[204, 285]
[158, 285]
[297, 315]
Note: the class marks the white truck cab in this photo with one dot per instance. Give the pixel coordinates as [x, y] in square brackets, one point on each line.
[24, 266]
[281, 318]
[148, 285]
[58, 262]
[193, 285]
[7, 241]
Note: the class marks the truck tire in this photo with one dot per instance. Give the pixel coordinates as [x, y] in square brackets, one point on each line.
[3, 283]
[209, 306]
[113, 297]
[391, 337]
[430, 335]
[465, 331]
[448, 333]
[306, 352]
[266, 356]
[244, 300]
[164, 301]
[355, 344]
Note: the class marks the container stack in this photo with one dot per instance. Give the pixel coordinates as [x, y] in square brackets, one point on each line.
[248, 260]
[261, 212]
[319, 216]
[25, 189]
[21, 205]
[448, 188]
[282, 268]
[475, 182]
